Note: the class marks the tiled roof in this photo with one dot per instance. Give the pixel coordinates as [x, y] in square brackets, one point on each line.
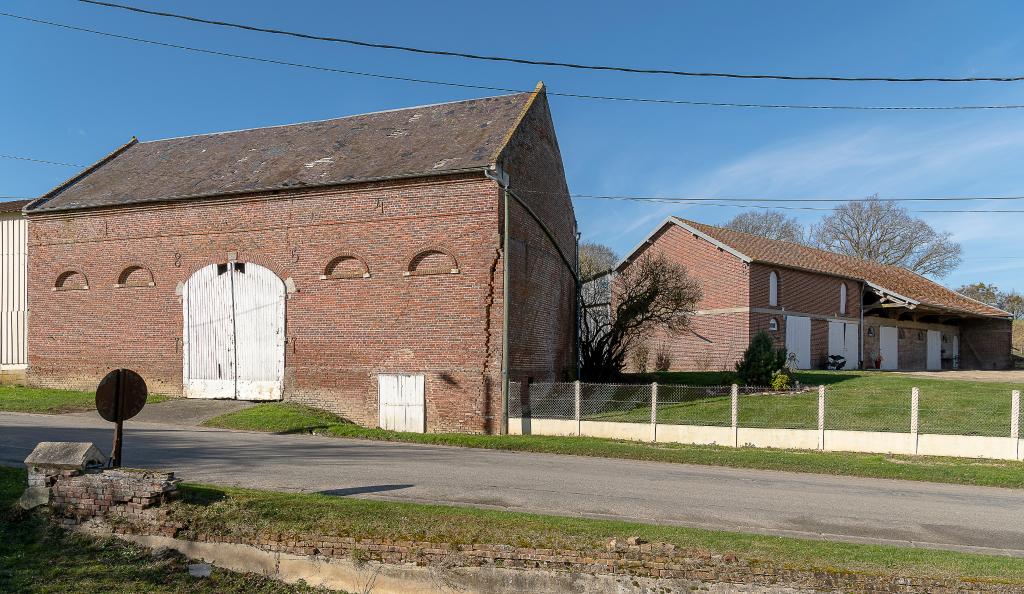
[13, 205]
[418, 141]
[892, 278]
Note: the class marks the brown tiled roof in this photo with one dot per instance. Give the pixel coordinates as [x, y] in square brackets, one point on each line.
[418, 141]
[892, 278]
[13, 205]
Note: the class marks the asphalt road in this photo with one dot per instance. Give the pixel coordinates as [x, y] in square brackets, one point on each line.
[979, 519]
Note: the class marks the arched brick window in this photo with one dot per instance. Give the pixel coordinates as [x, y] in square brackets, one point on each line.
[345, 266]
[71, 280]
[773, 325]
[135, 276]
[842, 298]
[773, 288]
[432, 261]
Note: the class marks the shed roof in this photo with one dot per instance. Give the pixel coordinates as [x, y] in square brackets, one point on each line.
[412, 142]
[13, 205]
[894, 280]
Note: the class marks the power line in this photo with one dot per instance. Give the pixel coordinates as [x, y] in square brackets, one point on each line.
[621, 99]
[551, 63]
[727, 202]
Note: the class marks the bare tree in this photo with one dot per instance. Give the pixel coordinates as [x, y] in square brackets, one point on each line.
[773, 224]
[1013, 302]
[595, 259]
[651, 293]
[886, 232]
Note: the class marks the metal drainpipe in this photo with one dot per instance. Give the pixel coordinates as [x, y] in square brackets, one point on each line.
[501, 178]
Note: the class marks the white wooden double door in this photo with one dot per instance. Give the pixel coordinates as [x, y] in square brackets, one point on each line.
[233, 339]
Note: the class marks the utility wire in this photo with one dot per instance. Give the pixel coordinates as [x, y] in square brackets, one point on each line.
[471, 56]
[710, 201]
[649, 100]
[706, 201]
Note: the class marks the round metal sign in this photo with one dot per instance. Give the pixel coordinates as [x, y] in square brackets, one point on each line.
[121, 395]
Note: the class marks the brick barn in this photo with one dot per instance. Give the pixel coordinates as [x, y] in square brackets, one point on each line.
[353, 264]
[817, 303]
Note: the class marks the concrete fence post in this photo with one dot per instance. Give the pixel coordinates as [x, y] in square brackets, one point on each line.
[578, 392]
[1015, 414]
[915, 408]
[654, 411]
[735, 416]
[821, 417]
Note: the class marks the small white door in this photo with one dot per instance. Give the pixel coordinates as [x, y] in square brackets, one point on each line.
[888, 346]
[843, 340]
[837, 338]
[402, 402]
[798, 340]
[208, 337]
[934, 350]
[259, 332]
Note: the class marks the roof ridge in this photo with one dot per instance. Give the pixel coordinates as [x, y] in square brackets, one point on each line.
[354, 115]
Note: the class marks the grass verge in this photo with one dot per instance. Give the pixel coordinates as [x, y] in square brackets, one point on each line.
[248, 513]
[49, 401]
[296, 418]
[36, 557]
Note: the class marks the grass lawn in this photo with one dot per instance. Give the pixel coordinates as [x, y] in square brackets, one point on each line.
[36, 557]
[244, 512]
[855, 400]
[295, 418]
[48, 401]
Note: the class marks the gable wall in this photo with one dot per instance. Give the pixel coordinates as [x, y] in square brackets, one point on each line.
[542, 326]
[720, 330]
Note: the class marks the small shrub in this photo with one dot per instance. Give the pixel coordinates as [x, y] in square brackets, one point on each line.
[781, 381]
[760, 361]
[639, 358]
[662, 360]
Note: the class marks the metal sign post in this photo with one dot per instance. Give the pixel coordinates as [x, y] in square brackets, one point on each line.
[119, 397]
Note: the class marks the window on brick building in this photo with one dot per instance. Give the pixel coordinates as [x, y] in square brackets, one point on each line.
[842, 298]
[773, 288]
[346, 266]
[71, 280]
[773, 325]
[432, 261]
[135, 276]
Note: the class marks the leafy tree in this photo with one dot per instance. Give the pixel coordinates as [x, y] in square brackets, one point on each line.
[773, 224]
[1009, 301]
[761, 361]
[986, 293]
[887, 233]
[650, 293]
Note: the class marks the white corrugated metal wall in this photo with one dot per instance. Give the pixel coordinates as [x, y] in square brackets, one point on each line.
[13, 291]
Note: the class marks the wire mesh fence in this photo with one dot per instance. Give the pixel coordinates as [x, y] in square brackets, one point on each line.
[709, 406]
[886, 411]
[976, 410]
[980, 410]
[764, 408]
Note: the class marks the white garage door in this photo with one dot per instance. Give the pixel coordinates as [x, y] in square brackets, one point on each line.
[233, 339]
[402, 402]
[798, 340]
[889, 347]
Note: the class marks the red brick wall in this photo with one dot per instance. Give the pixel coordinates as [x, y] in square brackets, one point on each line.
[542, 287]
[986, 344]
[717, 338]
[341, 332]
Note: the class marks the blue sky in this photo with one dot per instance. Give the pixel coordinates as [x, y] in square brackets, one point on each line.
[71, 96]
